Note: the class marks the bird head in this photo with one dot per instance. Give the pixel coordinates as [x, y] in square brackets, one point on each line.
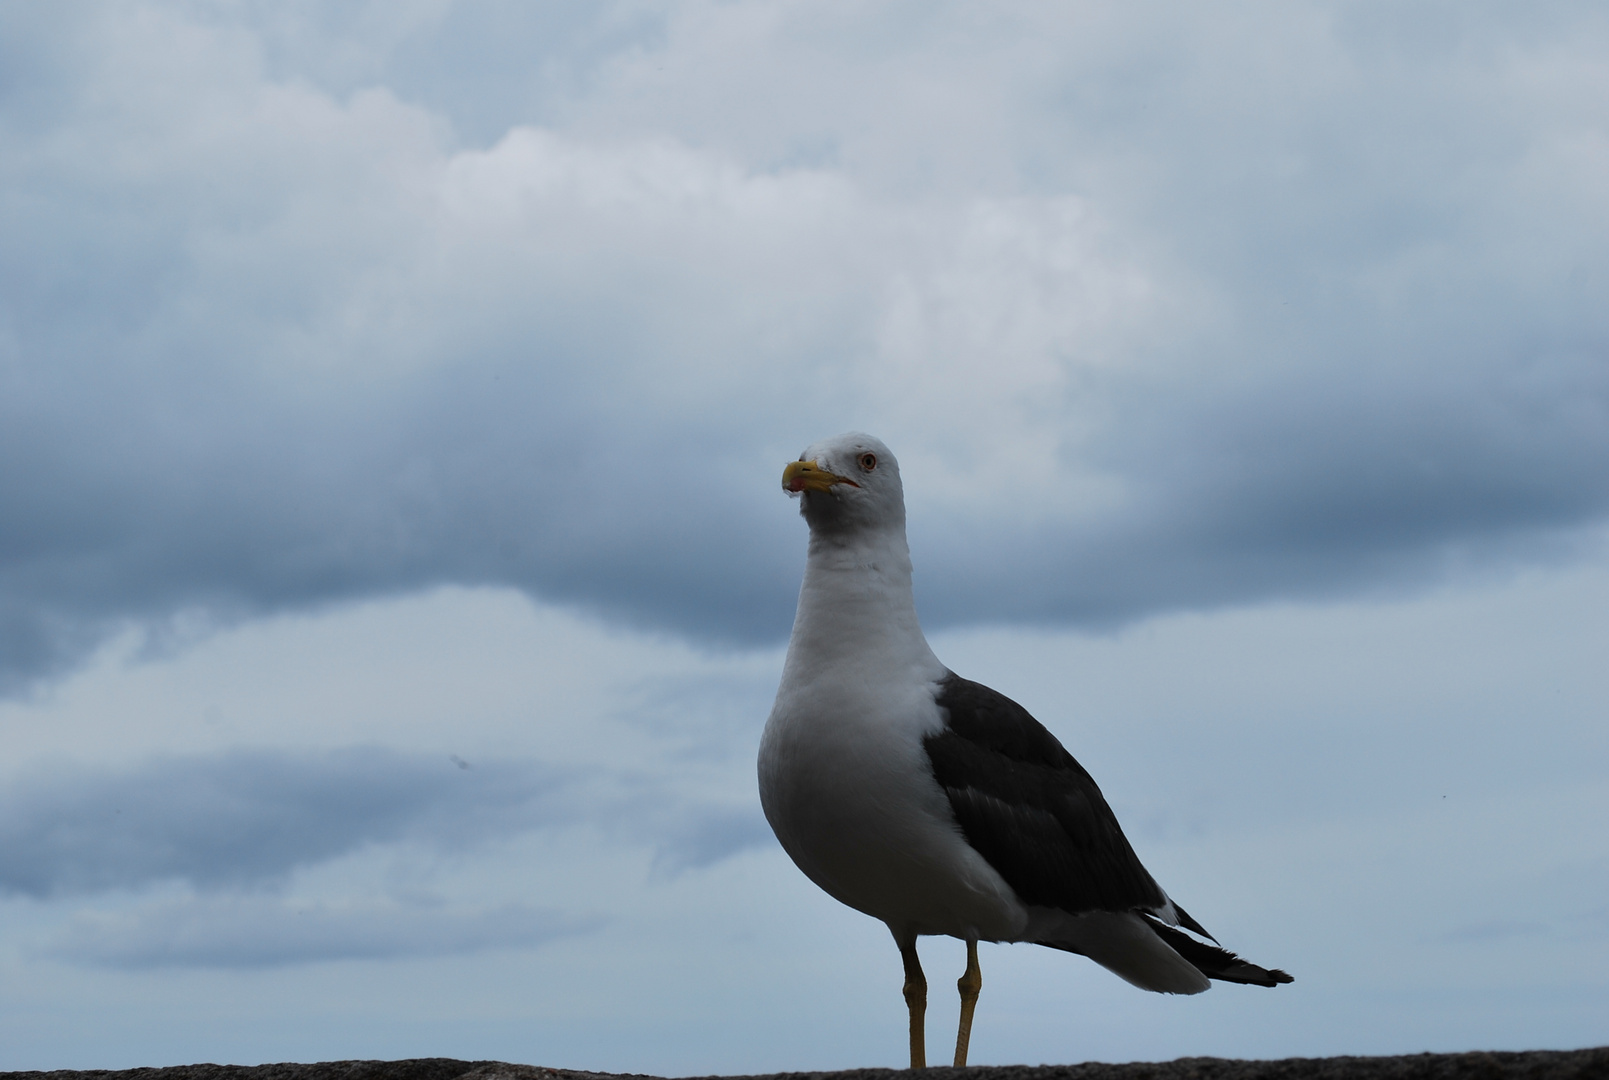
[848, 482]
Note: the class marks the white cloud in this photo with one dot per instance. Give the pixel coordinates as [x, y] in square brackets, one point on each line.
[280, 337]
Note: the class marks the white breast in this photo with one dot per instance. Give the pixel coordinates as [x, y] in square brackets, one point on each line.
[848, 789]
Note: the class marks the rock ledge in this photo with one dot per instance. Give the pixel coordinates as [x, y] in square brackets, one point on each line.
[1591, 1064]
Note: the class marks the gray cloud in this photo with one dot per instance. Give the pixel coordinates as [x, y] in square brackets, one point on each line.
[1310, 492]
[226, 931]
[1326, 317]
[248, 818]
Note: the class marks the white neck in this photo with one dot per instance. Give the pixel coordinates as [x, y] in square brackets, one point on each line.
[856, 606]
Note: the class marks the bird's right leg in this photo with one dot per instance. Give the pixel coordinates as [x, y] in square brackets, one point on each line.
[969, 985]
[915, 998]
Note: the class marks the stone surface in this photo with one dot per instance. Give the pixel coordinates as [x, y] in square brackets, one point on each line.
[1590, 1064]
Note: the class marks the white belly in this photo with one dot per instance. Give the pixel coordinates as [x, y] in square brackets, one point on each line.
[847, 787]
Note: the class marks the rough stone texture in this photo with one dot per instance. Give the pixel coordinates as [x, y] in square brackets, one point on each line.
[1478, 1065]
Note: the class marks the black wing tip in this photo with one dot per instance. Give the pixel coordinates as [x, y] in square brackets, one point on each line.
[1246, 974]
[1252, 975]
[1215, 962]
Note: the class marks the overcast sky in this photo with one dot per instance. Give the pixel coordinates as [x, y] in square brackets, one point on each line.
[394, 574]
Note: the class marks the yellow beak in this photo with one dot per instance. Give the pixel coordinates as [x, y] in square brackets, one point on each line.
[809, 476]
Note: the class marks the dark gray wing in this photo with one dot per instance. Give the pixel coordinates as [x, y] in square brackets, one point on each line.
[1030, 809]
[1042, 823]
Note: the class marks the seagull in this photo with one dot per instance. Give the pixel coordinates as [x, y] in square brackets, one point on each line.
[934, 803]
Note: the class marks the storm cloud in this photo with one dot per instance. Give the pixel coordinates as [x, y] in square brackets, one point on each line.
[296, 312]
[247, 819]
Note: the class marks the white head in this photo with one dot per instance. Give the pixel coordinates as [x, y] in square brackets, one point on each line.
[847, 484]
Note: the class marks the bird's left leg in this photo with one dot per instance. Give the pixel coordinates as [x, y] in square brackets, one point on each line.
[915, 998]
[969, 984]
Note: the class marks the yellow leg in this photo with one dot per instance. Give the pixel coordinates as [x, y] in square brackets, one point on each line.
[969, 985]
[915, 1000]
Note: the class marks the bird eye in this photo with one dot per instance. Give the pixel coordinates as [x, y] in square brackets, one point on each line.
[868, 462]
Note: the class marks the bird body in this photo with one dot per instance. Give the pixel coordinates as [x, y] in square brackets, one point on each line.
[933, 803]
[843, 770]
